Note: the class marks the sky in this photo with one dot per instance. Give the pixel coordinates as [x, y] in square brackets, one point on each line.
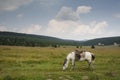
[66, 19]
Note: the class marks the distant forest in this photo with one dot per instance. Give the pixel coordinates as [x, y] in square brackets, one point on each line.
[20, 39]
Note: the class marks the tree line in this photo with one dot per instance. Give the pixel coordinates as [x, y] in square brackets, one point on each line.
[18, 39]
[21, 39]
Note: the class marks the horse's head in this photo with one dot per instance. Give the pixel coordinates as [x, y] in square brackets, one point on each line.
[64, 64]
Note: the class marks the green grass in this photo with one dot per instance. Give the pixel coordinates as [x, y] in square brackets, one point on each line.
[45, 63]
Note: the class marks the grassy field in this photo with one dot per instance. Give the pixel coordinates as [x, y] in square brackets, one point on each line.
[45, 63]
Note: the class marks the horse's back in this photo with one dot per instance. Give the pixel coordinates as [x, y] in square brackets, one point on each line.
[88, 56]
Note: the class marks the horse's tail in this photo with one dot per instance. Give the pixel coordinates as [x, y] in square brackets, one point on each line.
[93, 57]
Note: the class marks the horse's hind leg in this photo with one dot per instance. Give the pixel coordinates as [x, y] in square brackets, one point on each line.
[90, 65]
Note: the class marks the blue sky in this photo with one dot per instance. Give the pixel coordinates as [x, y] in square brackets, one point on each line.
[66, 19]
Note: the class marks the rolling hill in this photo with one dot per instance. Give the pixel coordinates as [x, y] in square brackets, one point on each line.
[21, 39]
[104, 41]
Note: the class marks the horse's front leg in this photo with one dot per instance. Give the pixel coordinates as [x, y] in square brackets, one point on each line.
[92, 65]
[73, 64]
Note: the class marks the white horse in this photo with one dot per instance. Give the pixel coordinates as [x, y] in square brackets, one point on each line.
[79, 56]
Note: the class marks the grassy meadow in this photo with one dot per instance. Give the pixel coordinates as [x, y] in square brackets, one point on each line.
[45, 63]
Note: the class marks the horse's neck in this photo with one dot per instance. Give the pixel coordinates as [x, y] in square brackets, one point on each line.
[71, 55]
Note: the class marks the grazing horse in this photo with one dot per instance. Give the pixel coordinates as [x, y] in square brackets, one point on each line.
[79, 56]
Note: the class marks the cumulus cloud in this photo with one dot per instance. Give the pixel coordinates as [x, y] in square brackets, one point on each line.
[9, 5]
[99, 27]
[67, 13]
[59, 28]
[31, 29]
[67, 24]
[73, 29]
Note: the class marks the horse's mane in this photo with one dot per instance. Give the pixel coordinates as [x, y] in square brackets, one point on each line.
[79, 52]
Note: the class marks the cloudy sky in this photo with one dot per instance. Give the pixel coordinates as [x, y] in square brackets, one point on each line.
[66, 19]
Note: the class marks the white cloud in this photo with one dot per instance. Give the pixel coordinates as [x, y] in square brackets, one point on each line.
[99, 27]
[83, 9]
[9, 5]
[67, 25]
[74, 30]
[61, 25]
[67, 13]
[59, 28]
[31, 29]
